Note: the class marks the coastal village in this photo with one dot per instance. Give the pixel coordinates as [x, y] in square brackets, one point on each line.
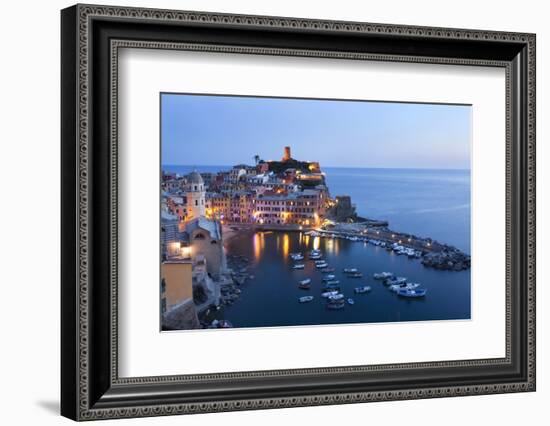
[199, 210]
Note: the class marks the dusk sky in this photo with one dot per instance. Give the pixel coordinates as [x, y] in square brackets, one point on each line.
[226, 130]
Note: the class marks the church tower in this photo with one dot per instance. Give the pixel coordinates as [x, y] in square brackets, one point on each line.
[195, 196]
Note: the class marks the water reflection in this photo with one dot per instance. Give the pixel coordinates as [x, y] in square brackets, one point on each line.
[316, 243]
[286, 245]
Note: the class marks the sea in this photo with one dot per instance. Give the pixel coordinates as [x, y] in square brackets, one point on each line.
[423, 202]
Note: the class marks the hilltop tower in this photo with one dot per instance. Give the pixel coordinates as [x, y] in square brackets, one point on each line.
[286, 154]
[195, 196]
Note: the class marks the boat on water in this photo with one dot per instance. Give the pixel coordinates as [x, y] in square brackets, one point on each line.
[329, 277]
[321, 265]
[350, 270]
[298, 266]
[417, 292]
[405, 286]
[335, 297]
[305, 299]
[327, 270]
[305, 284]
[332, 282]
[315, 256]
[297, 256]
[329, 293]
[355, 275]
[382, 275]
[351, 301]
[339, 304]
[395, 281]
[317, 262]
[363, 289]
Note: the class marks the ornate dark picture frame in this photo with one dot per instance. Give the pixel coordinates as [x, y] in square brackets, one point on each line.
[91, 37]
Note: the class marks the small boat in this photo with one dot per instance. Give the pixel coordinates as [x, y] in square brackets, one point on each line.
[332, 282]
[355, 275]
[405, 286]
[306, 281]
[297, 257]
[298, 266]
[327, 270]
[321, 265]
[336, 305]
[417, 292]
[336, 297]
[363, 289]
[350, 270]
[329, 277]
[306, 286]
[315, 256]
[295, 254]
[305, 299]
[351, 301]
[395, 281]
[382, 275]
[329, 293]
[331, 287]
[317, 262]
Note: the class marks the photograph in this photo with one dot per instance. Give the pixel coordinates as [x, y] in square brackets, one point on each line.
[304, 212]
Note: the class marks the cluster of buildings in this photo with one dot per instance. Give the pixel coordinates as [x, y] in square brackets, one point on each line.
[285, 194]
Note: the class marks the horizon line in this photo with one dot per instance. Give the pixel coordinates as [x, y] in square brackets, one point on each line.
[341, 167]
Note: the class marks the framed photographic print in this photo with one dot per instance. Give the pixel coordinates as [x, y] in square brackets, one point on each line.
[266, 212]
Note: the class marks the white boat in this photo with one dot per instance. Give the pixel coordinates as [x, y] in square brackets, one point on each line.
[363, 289]
[394, 281]
[298, 266]
[329, 277]
[332, 282]
[350, 270]
[321, 265]
[336, 297]
[351, 301]
[315, 256]
[382, 275]
[404, 286]
[329, 293]
[305, 299]
[297, 257]
[320, 261]
[306, 281]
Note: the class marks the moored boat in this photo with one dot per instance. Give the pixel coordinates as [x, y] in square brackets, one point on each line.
[351, 301]
[395, 281]
[327, 270]
[417, 292]
[363, 289]
[329, 293]
[298, 266]
[321, 265]
[405, 286]
[350, 270]
[305, 299]
[355, 275]
[382, 275]
[329, 277]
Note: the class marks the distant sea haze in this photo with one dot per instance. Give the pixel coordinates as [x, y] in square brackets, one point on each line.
[424, 202]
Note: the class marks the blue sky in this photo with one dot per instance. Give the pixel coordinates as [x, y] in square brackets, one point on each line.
[226, 130]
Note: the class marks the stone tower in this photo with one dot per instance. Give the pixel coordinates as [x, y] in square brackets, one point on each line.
[195, 196]
[286, 154]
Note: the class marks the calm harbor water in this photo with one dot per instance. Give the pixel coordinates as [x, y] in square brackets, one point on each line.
[271, 297]
[428, 203]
